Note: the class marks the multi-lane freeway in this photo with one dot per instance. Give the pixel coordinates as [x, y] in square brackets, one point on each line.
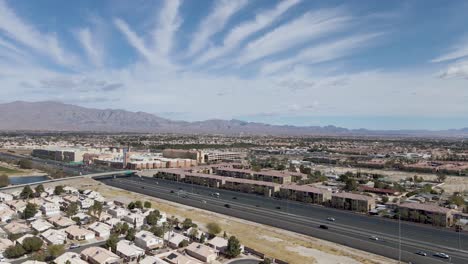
[350, 229]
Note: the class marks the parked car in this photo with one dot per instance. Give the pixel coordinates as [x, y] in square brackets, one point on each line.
[72, 246]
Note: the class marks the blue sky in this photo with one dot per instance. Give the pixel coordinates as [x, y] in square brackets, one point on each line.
[356, 64]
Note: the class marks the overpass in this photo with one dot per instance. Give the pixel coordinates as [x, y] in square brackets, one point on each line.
[101, 175]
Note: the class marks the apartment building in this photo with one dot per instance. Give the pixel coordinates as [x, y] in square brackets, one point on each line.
[352, 201]
[264, 175]
[305, 193]
[427, 213]
[251, 186]
[204, 179]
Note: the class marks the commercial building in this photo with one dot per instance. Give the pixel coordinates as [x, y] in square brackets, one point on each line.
[264, 175]
[352, 201]
[305, 193]
[60, 154]
[426, 213]
[184, 154]
[224, 156]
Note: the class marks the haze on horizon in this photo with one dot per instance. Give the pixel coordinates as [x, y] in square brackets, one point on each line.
[354, 64]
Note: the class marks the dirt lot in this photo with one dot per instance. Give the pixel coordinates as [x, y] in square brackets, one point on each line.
[451, 184]
[277, 243]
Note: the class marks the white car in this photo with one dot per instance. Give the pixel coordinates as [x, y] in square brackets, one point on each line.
[331, 219]
[374, 238]
[442, 255]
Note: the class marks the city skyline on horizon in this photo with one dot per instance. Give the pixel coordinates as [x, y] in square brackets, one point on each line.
[363, 64]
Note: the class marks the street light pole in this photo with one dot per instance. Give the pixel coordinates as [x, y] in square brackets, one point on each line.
[399, 236]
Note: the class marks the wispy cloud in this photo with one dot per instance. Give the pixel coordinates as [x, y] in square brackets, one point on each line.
[134, 39]
[26, 34]
[322, 52]
[457, 52]
[312, 25]
[91, 46]
[240, 33]
[214, 23]
[168, 23]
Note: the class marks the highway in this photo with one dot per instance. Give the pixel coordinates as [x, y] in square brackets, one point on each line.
[350, 229]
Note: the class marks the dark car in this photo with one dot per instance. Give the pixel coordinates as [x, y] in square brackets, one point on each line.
[278, 207]
[227, 205]
[234, 198]
[172, 191]
[323, 226]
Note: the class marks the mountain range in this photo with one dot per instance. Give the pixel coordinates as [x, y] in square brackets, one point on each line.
[55, 116]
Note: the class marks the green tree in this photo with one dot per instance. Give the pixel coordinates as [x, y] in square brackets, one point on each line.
[225, 235]
[441, 177]
[385, 199]
[58, 190]
[72, 209]
[96, 209]
[183, 243]
[112, 242]
[139, 204]
[25, 164]
[233, 247]
[147, 204]
[187, 223]
[30, 211]
[130, 234]
[39, 189]
[457, 199]
[193, 233]
[54, 251]
[12, 252]
[213, 229]
[4, 180]
[266, 261]
[26, 193]
[153, 217]
[157, 231]
[351, 185]
[32, 244]
[131, 206]
[38, 256]
[202, 238]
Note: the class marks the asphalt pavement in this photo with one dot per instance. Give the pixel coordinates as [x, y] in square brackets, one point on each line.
[350, 229]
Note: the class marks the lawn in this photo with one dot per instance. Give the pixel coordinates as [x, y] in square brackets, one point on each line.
[8, 170]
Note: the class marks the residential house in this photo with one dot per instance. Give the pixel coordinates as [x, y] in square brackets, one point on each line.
[117, 212]
[201, 252]
[101, 230]
[61, 221]
[113, 221]
[129, 251]
[69, 258]
[6, 213]
[54, 237]
[174, 239]
[177, 258]
[353, 202]
[21, 239]
[219, 244]
[50, 209]
[147, 240]
[16, 228]
[134, 219]
[4, 244]
[17, 205]
[427, 213]
[41, 225]
[152, 260]
[78, 233]
[98, 255]
[4, 197]
[85, 203]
